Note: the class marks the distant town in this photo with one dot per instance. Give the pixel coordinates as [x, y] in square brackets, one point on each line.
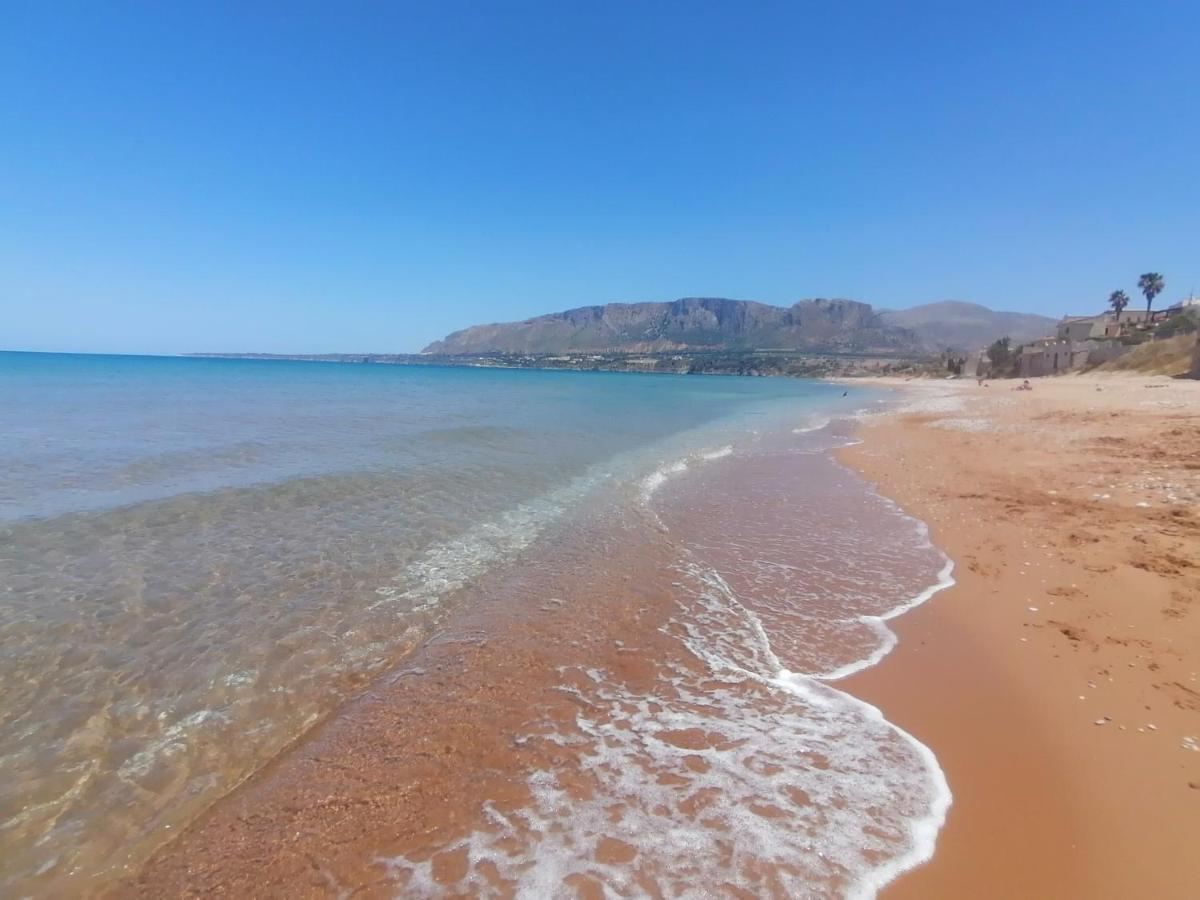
[1080, 343]
[761, 363]
[842, 339]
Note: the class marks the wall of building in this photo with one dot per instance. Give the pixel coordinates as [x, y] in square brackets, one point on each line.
[1076, 329]
[1102, 353]
[1066, 356]
[1048, 359]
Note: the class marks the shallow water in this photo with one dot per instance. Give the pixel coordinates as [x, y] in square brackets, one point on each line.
[201, 558]
[713, 755]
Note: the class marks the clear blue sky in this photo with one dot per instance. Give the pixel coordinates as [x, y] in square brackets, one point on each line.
[366, 177]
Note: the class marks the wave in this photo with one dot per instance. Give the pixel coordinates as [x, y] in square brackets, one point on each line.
[452, 565]
[807, 687]
[729, 772]
[815, 423]
[659, 476]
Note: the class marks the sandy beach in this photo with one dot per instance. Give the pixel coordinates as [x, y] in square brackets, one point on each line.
[1059, 681]
[536, 451]
[623, 713]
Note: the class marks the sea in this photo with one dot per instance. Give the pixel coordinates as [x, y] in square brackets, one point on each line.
[206, 562]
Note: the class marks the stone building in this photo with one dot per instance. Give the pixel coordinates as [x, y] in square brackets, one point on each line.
[1053, 357]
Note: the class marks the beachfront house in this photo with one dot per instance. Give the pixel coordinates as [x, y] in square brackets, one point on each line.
[1079, 341]
[1056, 357]
[1098, 328]
[1050, 357]
[1080, 328]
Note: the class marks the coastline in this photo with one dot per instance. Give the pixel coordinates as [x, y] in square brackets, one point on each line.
[1067, 588]
[985, 685]
[385, 792]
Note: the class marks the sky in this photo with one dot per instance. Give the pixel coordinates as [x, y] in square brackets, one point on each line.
[366, 177]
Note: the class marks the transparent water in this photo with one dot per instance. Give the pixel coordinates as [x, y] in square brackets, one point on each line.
[200, 558]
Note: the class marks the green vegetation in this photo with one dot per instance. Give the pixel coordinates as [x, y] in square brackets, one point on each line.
[1118, 300]
[1151, 284]
[1186, 322]
[1004, 358]
[1000, 352]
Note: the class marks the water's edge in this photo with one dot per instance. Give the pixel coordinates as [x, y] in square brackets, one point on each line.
[924, 832]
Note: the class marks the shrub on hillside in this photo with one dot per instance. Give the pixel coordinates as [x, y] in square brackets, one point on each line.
[1184, 323]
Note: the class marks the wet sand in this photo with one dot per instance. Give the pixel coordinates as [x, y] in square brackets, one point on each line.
[608, 716]
[1059, 681]
[1067, 589]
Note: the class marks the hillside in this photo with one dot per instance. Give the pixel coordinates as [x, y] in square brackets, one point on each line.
[966, 326]
[1171, 356]
[689, 324]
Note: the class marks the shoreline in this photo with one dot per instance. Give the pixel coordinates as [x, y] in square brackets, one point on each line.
[331, 806]
[1031, 677]
[1020, 814]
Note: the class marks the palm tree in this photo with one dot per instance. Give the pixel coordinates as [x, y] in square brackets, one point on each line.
[1118, 300]
[1151, 284]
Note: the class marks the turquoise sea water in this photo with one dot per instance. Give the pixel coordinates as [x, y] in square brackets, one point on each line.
[199, 558]
[86, 432]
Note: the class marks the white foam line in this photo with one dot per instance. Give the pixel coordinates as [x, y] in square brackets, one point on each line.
[922, 832]
[452, 564]
[945, 580]
[816, 424]
[659, 476]
[812, 688]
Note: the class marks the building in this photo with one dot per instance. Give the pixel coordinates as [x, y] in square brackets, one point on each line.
[1049, 358]
[977, 365]
[1188, 304]
[1097, 328]
[1078, 328]
[1054, 357]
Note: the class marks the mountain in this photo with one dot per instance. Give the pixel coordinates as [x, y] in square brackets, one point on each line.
[966, 326]
[693, 323]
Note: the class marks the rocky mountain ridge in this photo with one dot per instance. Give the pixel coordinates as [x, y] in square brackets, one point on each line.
[691, 323]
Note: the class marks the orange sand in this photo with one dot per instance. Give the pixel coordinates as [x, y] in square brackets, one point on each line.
[1075, 605]
[1047, 803]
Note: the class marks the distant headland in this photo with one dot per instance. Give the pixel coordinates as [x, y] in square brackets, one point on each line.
[714, 335]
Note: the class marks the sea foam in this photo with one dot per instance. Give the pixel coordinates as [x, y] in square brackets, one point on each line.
[733, 772]
[659, 476]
